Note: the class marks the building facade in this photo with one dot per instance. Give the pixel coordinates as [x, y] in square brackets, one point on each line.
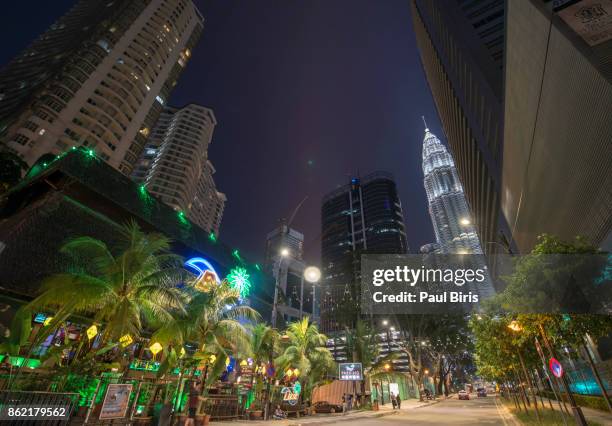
[363, 216]
[461, 44]
[297, 297]
[99, 78]
[557, 171]
[175, 167]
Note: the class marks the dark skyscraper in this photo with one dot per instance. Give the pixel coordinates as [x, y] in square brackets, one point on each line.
[462, 48]
[364, 216]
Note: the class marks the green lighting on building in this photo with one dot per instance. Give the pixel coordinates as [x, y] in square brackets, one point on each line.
[212, 237]
[239, 279]
[236, 254]
[258, 267]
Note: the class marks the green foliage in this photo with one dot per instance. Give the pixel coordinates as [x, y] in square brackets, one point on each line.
[305, 349]
[19, 332]
[126, 291]
[529, 287]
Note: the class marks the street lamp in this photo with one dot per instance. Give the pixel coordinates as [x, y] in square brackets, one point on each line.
[284, 252]
[385, 322]
[312, 274]
[465, 221]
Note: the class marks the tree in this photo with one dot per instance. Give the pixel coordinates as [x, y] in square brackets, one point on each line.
[212, 319]
[305, 350]
[124, 292]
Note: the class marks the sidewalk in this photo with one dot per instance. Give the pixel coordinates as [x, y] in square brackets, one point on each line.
[603, 418]
[320, 419]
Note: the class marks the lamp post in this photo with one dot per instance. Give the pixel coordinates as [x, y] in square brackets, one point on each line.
[283, 253]
[312, 274]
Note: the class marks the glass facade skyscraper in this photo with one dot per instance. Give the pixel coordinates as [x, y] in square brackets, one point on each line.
[361, 217]
[450, 215]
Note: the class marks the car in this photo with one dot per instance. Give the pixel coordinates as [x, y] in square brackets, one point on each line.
[326, 407]
[463, 395]
[481, 392]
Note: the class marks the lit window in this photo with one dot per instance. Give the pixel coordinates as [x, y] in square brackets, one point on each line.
[42, 132]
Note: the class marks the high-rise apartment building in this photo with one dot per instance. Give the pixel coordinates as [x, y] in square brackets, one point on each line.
[208, 204]
[461, 44]
[175, 167]
[98, 77]
[449, 212]
[364, 216]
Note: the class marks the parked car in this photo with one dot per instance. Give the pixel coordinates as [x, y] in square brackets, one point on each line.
[463, 395]
[481, 392]
[326, 407]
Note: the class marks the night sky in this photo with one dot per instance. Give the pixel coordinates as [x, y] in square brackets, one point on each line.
[306, 94]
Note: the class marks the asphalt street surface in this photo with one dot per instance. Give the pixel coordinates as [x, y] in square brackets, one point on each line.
[476, 411]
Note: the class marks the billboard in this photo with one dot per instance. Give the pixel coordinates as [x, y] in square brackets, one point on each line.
[350, 371]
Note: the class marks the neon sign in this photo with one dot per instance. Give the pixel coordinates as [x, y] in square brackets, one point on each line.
[207, 276]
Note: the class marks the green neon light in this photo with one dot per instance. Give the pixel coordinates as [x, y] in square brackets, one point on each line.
[91, 153]
[257, 267]
[212, 237]
[236, 254]
[239, 279]
[18, 361]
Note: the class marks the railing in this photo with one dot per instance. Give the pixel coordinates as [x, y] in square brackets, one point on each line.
[45, 408]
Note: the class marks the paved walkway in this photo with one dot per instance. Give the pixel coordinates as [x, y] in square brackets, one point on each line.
[319, 419]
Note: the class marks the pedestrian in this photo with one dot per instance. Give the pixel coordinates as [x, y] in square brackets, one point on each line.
[194, 401]
[399, 401]
[344, 406]
[350, 401]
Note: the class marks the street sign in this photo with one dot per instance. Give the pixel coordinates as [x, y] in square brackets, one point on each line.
[350, 371]
[555, 367]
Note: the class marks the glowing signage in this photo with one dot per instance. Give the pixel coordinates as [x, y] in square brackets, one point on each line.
[207, 276]
[350, 371]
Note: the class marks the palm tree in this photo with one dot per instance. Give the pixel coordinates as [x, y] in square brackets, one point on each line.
[212, 319]
[124, 292]
[362, 346]
[305, 350]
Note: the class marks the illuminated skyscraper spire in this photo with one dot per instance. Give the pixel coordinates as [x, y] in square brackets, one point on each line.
[450, 215]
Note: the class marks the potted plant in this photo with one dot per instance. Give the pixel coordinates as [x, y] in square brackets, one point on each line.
[255, 410]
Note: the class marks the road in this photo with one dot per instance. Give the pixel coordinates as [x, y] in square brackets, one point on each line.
[476, 411]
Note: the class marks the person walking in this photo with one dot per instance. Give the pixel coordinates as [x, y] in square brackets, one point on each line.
[344, 404]
[398, 401]
[393, 400]
[194, 402]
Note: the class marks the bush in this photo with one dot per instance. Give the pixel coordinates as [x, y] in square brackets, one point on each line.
[588, 401]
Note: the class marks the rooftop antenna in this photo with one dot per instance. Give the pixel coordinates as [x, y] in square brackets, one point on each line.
[425, 123]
